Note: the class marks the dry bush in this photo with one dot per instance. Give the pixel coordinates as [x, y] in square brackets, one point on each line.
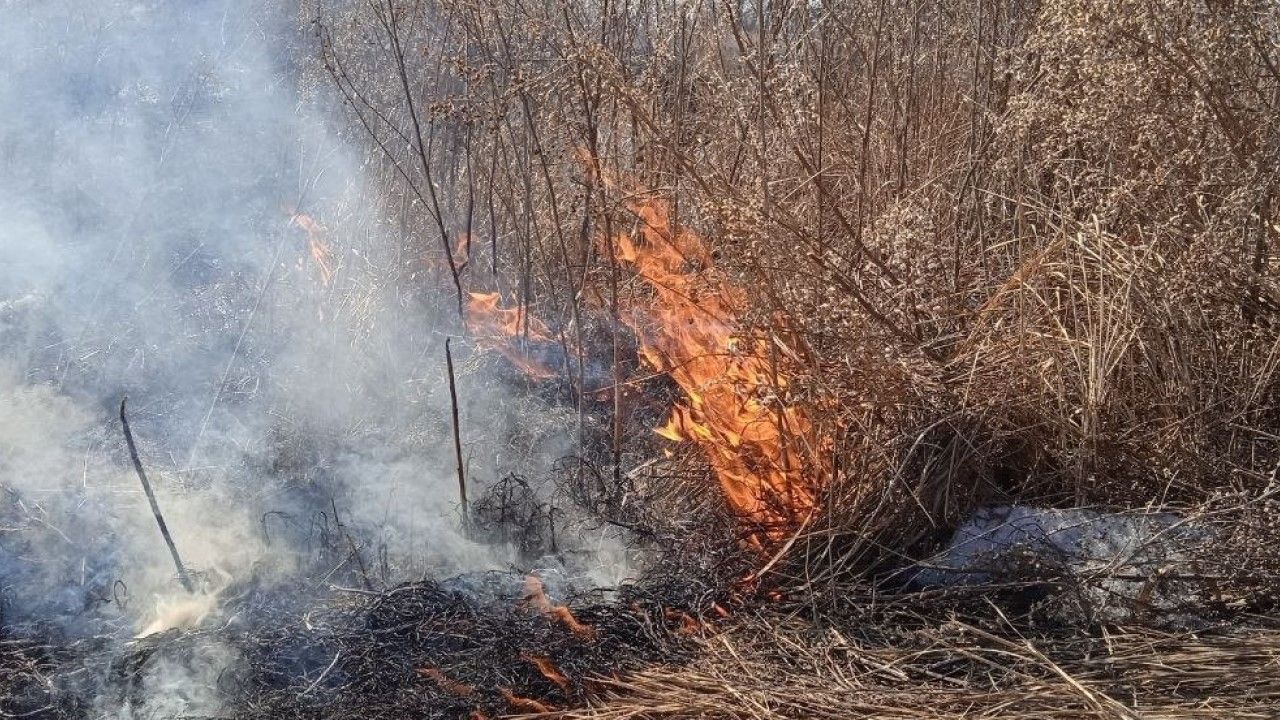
[1142, 304]
[1011, 250]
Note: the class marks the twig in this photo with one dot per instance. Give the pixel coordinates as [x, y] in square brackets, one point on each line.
[355, 550]
[151, 498]
[322, 676]
[457, 438]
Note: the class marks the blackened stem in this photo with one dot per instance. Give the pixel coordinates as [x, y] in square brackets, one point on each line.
[457, 439]
[151, 498]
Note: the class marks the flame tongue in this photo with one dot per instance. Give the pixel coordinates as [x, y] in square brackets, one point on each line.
[487, 317]
[320, 251]
[507, 331]
[730, 384]
[537, 598]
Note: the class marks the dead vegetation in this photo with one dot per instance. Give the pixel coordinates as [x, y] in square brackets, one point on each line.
[990, 252]
[768, 668]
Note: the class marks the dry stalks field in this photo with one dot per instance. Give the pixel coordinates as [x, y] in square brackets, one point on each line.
[922, 358]
[892, 261]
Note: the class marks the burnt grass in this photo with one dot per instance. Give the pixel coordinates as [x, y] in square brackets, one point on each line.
[464, 647]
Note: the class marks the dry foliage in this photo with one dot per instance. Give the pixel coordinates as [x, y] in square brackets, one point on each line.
[766, 671]
[1005, 250]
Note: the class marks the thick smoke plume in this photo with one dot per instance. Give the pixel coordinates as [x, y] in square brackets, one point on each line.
[287, 392]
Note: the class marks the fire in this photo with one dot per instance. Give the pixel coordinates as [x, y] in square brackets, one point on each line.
[760, 447]
[496, 327]
[320, 251]
[732, 409]
[524, 704]
[688, 625]
[548, 669]
[537, 598]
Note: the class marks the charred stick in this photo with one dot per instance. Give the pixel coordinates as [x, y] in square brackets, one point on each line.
[616, 321]
[457, 437]
[493, 215]
[355, 552]
[151, 498]
[355, 549]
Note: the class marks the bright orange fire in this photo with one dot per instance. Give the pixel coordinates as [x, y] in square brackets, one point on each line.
[507, 331]
[537, 598]
[760, 446]
[548, 669]
[320, 251]
[732, 410]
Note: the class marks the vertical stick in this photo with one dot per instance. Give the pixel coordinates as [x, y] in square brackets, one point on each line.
[457, 437]
[151, 498]
[616, 320]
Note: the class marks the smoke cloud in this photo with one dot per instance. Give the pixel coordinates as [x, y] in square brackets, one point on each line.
[287, 395]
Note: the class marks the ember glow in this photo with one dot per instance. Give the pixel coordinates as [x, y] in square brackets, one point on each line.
[548, 669]
[536, 597]
[524, 704]
[733, 408]
[508, 331]
[319, 249]
[447, 684]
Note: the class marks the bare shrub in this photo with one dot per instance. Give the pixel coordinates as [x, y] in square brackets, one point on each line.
[1004, 250]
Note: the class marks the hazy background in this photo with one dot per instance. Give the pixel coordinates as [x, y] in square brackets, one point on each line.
[154, 155]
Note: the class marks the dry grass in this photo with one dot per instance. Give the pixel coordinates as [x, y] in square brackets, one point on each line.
[766, 669]
[1005, 252]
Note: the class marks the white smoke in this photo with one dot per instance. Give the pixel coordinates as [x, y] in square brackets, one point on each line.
[154, 153]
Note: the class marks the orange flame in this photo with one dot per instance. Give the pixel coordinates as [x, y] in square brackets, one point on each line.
[688, 625]
[731, 386]
[320, 251]
[524, 704]
[495, 327]
[537, 598]
[759, 446]
[548, 669]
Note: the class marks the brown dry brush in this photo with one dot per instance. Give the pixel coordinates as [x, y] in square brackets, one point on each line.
[765, 669]
[1013, 250]
[1006, 252]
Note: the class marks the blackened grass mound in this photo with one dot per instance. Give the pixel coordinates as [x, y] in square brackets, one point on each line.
[430, 649]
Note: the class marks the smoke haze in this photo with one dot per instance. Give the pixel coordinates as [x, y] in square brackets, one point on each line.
[155, 155]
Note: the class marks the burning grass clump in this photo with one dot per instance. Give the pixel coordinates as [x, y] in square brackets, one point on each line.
[432, 650]
[472, 646]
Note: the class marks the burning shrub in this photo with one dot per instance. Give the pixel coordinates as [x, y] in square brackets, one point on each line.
[943, 254]
[877, 263]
